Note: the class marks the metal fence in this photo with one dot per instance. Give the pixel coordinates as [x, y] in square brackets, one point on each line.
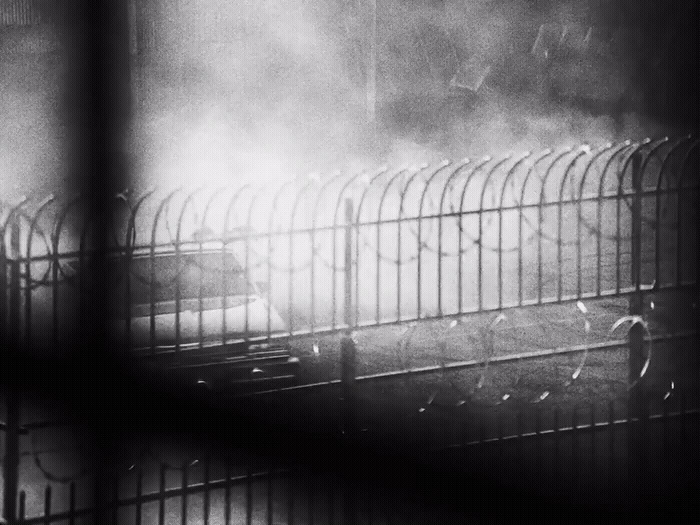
[585, 454]
[258, 265]
[357, 250]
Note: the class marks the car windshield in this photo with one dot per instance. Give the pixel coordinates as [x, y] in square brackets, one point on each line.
[215, 274]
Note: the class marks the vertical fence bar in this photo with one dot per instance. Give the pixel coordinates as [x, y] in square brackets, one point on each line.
[630, 445]
[200, 293]
[574, 448]
[348, 364]
[11, 459]
[100, 501]
[12, 395]
[697, 246]
[290, 498]
[664, 445]
[348, 357]
[540, 220]
[599, 238]
[501, 446]
[178, 292]
[636, 399]
[47, 506]
[248, 495]
[115, 505]
[206, 489]
[269, 496]
[370, 505]
[556, 467]
[183, 501]
[644, 448]
[593, 444]
[683, 422]
[290, 262]
[227, 493]
[538, 443]
[348, 262]
[480, 249]
[618, 235]
[310, 497]
[15, 287]
[22, 506]
[398, 265]
[4, 325]
[460, 242]
[679, 229]
[519, 451]
[347, 344]
[378, 276]
[161, 495]
[611, 443]
[695, 454]
[331, 504]
[71, 504]
[139, 495]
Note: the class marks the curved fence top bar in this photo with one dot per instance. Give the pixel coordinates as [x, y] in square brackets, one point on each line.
[256, 211]
[489, 176]
[583, 150]
[602, 150]
[439, 169]
[683, 169]
[131, 229]
[638, 148]
[181, 215]
[470, 174]
[35, 220]
[675, 147]
[510, 174]
[457, 168]
[11, 213]
[369, 186]
[362, 176]
[229, 209]
[618, 155]
[427, 240]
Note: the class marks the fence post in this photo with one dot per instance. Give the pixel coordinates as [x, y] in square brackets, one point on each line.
[636, 306]
[12, 397]
[4, 326]
[4, 266]
[347, 344]
[347, 357]
[637, 399]
[11, 460]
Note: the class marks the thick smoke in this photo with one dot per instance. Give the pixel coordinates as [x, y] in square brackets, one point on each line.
[268, 90]
[276, 89]
[30, 82]
[271, 99]
[598, 94]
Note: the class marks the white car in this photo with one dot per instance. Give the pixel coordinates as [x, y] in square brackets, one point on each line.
[228, 332]
[217, 302]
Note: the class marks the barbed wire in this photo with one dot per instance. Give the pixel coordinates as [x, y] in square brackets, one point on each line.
[50, 476]
[317, 251]
[634, 320]
[487, 346]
